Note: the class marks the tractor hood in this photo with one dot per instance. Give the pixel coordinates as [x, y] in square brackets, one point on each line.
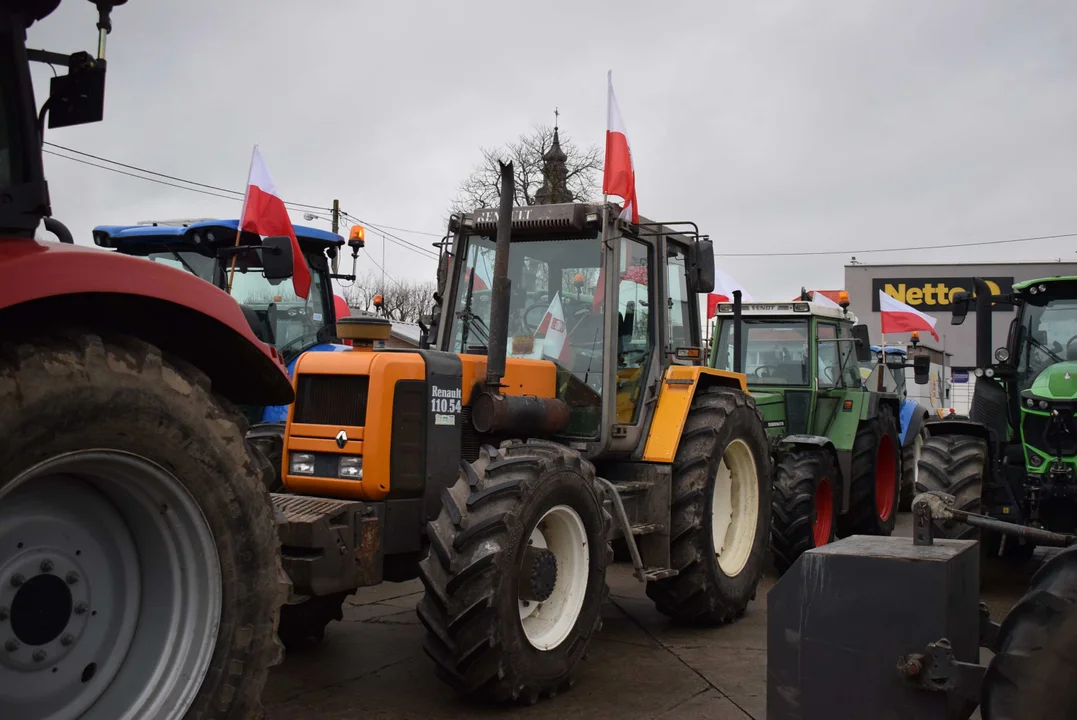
[767, 398]
[772, 406]
[1057, 382]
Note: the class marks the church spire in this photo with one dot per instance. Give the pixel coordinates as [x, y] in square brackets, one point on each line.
[554, 172]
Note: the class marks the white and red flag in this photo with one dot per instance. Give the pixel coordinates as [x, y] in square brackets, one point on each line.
[555, 344]
[618, 175]
[264, 213]
[819, 298]
[897, 317]
[724, 285]
[481, 271]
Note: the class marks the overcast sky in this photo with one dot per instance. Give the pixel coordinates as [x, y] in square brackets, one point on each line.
[778, 126]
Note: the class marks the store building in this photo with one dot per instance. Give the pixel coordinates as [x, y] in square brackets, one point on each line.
[930, 289]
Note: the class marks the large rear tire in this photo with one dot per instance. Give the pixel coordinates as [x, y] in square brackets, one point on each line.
[876, 473]
[139, 562]
[515, 576]
[804, 504]
[956, 465]
[910, 462]
[720, 513]
[1031, 675]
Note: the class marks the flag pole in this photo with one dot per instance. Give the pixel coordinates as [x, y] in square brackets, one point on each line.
[239, 225]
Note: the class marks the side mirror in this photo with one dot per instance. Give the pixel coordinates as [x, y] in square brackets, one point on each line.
[921, 368]
[701, 265]
[960, 303]
[277, 258]
[863, 343]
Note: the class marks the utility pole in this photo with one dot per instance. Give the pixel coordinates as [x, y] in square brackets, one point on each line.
[336, 215]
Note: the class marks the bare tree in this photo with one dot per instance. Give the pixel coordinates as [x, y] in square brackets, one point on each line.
[403, 301]
[482, 188]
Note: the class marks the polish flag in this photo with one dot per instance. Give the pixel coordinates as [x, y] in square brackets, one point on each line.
[618, 175]
[481, 271]
[897, 317]
[819, 298]
[264, 214]
[556, 344]
[724, 285]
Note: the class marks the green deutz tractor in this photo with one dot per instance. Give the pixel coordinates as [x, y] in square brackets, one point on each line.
[837, 455]
[1015, 458]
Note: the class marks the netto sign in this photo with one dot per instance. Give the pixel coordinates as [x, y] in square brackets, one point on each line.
[935, 294]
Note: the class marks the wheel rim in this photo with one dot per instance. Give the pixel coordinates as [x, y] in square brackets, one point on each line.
[110, 591]
[549, 618]
[735, 508]
[824, 513]
[885, 478]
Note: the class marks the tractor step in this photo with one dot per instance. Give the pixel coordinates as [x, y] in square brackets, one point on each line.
[652, 574]
[632, 487]
[645, 529]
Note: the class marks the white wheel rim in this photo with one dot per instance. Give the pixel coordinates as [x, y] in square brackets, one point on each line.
[546, 624]
[735, 508]
[917, 448]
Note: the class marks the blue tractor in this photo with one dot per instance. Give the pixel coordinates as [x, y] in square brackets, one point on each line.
[277, 316]
[912, 417]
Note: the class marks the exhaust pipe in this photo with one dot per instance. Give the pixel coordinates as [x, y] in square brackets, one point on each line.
[492, 412]
[738, 360]
[984, 351]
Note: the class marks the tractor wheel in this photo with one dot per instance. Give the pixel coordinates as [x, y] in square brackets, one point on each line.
[954, 464]
[515, 575]
[876, 469]
[139, 562]
[302, 625]
[803, 504]
[910, 460]
[269, 439]
[1031, 674]
[720, 510]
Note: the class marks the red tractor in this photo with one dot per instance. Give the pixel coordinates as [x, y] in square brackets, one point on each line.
[139, 561]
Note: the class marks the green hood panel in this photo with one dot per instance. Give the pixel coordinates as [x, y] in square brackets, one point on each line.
[1057, 382]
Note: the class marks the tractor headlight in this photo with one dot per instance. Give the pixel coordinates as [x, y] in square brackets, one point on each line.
[1029, 402]
[1002, 354]
[351, 467]
[301, 464]
[1043, 404]
[979, 372]
[989, 372]
[1043, 288]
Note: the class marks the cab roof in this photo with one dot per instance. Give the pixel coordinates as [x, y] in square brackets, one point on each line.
[799, 308]
[208, 233]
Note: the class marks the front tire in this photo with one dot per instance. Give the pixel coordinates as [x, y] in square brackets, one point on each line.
[804, 505]
[956, 465]
[876, 471]
[1031, 674]
[515, 576]
[720, 510]
[121, 472]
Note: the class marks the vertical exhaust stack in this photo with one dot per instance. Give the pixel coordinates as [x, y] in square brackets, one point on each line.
[984, 351]
[491, 411]
[738, 360]
[499, 300]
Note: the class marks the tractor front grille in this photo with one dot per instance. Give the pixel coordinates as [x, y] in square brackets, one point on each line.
[331, 400]
[1051, 435]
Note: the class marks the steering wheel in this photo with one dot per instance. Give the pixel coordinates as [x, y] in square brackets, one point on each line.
[771, 371]
[529, 326]
[828, 373]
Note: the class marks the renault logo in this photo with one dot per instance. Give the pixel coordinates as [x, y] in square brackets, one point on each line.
[342, 439]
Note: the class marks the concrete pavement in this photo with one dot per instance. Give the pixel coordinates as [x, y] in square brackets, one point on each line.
[640, 665]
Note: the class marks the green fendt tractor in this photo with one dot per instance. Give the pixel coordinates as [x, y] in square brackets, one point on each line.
[1015, 458]
[837, 455]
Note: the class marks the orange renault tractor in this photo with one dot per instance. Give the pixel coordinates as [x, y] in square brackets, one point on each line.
[566, 404]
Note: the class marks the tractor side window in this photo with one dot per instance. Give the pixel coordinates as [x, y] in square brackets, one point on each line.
[7, 127]
[680, 319]
[850, 371]
[635, 339]
[828, 366]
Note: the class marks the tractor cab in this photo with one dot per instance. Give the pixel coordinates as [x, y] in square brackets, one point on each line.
[886, 370]
[611, 316]
[800, 358]
[276, 315]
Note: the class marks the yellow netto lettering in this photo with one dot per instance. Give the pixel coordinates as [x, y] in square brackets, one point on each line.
[995, 289]
[914, 296]
[897, 293]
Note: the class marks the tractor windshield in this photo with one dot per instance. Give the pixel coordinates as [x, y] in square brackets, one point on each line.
[1047, 335]
[554, 314]
[775, 350]
[193, 262]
